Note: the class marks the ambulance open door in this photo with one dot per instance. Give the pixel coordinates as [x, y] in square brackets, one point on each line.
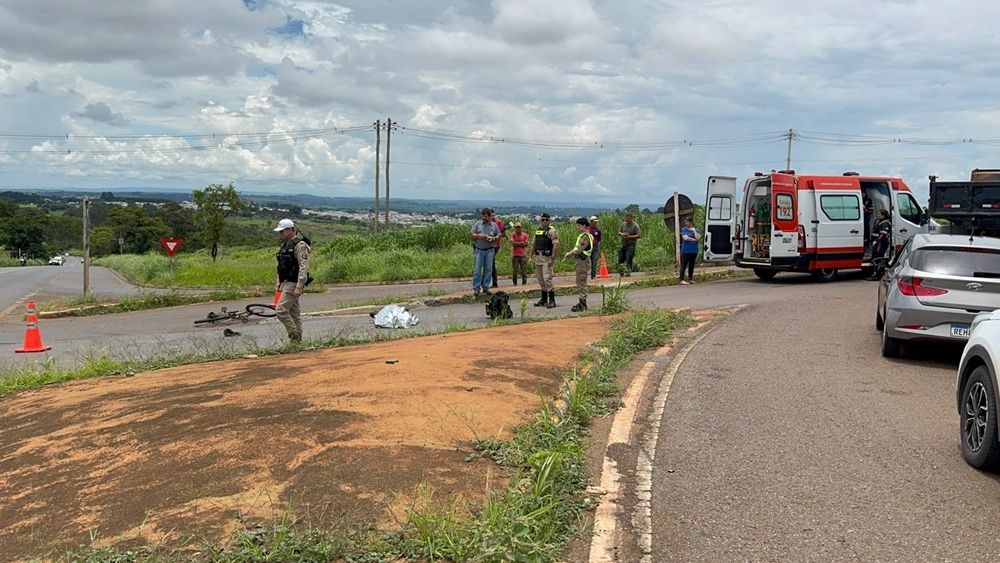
[720, 218]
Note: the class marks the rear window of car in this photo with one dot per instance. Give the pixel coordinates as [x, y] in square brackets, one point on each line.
[970, 262]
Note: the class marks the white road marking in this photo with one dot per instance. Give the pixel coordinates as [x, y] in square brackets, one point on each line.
[605, 542]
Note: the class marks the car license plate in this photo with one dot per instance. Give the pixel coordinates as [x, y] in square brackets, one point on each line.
[960, 331]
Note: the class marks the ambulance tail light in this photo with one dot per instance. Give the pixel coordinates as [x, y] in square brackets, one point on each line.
[802, 238]
[911, 286]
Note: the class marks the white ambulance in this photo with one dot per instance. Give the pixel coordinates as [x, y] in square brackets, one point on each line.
[788, 222]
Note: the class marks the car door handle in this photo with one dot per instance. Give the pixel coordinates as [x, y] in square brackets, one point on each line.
[902, 230]
[854, 231]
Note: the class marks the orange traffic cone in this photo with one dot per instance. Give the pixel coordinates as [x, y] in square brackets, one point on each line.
[603, 272]
[277, 298]
[32, 336]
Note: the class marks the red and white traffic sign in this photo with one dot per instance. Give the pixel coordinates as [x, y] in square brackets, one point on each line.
[171, 245]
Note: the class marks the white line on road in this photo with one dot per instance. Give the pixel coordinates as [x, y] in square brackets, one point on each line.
[604, 543]
[642, 516]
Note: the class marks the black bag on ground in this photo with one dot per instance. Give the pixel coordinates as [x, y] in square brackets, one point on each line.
[499, 306]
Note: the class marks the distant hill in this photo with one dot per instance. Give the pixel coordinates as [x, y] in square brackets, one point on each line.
[401, 205]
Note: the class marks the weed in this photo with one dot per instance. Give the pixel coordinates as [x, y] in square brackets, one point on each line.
[614, 299]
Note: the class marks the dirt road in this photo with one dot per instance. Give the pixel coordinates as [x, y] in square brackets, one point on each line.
[346, 432]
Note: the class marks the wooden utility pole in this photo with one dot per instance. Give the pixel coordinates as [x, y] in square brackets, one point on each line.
[388, 140]
[86, 246]
[378, 166]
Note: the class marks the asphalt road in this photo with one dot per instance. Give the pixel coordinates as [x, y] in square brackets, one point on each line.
[787, 437]
[18, 284]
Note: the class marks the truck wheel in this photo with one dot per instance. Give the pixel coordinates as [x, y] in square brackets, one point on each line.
[978, 429]
[824, 275]
[890, 346]
[766, 275]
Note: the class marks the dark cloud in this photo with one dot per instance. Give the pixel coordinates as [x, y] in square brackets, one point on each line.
[102, 113]
[33, 87]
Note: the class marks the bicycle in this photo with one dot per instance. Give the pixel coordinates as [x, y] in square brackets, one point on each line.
[252, 310]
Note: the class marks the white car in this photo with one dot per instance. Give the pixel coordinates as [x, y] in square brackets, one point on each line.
[976, 391]
[57, 261]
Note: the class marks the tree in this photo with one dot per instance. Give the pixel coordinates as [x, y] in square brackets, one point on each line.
[180, 220]
[24, 232]
[138, 231]
[215, 203]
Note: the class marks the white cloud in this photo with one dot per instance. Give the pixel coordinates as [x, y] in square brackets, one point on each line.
[564, 71]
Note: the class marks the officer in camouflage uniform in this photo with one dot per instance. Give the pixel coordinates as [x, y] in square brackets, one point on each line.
[293, 276]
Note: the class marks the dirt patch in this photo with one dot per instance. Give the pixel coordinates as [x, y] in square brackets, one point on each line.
[345, 433]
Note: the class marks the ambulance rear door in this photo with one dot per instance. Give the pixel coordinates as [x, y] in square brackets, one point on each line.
[720, 218]
[784, 217]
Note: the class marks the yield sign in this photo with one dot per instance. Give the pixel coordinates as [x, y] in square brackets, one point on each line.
[171, 245]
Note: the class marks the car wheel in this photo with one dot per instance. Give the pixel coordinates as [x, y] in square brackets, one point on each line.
[824, 275]
[766, 275]
[890, 346]
[879, 322]
[979, 421]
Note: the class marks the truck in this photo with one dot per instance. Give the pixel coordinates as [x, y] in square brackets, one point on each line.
[789, 222]
[971, 207]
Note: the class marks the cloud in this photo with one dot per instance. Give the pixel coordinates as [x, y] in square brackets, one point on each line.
[101, 113]
[33, 87]
[537, 185]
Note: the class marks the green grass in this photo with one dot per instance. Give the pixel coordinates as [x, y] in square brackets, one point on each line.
[413, 253]
[531, 519]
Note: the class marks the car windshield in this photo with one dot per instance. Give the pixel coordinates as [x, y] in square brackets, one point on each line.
[966, 261]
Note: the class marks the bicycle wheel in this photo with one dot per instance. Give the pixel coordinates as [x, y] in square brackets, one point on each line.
[261, 310]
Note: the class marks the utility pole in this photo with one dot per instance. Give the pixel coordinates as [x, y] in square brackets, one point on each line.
[378, 166]
[86, 246]
[388, 140]
[788, 157]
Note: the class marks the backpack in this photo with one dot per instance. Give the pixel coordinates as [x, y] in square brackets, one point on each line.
[499, 306]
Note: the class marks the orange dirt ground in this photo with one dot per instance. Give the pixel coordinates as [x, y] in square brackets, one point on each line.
[348, 433]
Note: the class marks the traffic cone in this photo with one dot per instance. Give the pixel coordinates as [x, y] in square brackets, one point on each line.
[603, 273]
[32, 336]
[277, 298]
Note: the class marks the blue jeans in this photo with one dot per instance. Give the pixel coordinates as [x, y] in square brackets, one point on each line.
[482, 269]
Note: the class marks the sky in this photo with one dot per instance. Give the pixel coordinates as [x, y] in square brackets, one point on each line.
[502, 100]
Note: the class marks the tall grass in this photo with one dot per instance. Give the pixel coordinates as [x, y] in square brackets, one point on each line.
[412, 253]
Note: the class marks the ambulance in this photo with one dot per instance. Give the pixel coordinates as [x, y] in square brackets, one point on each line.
[788, 222]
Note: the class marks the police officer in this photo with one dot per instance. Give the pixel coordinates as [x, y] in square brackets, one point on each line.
[293, 276]
[581, 252]
[544, 248]
[883, 238]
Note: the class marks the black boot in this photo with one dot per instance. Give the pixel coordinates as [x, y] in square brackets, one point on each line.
[578, 307]
[524, 280]
[552, 300]
[515, 280]
[544, 300]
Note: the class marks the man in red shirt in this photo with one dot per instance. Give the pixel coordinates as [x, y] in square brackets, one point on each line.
[519, 260]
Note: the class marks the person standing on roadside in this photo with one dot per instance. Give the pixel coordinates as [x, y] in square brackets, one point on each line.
[689, 250]
[484, 235]
[595, 255]
[581, 252]
[503, 235]
[545, 248]
[630, 233]
[519, 247]
[883, 237]
[293, 277]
